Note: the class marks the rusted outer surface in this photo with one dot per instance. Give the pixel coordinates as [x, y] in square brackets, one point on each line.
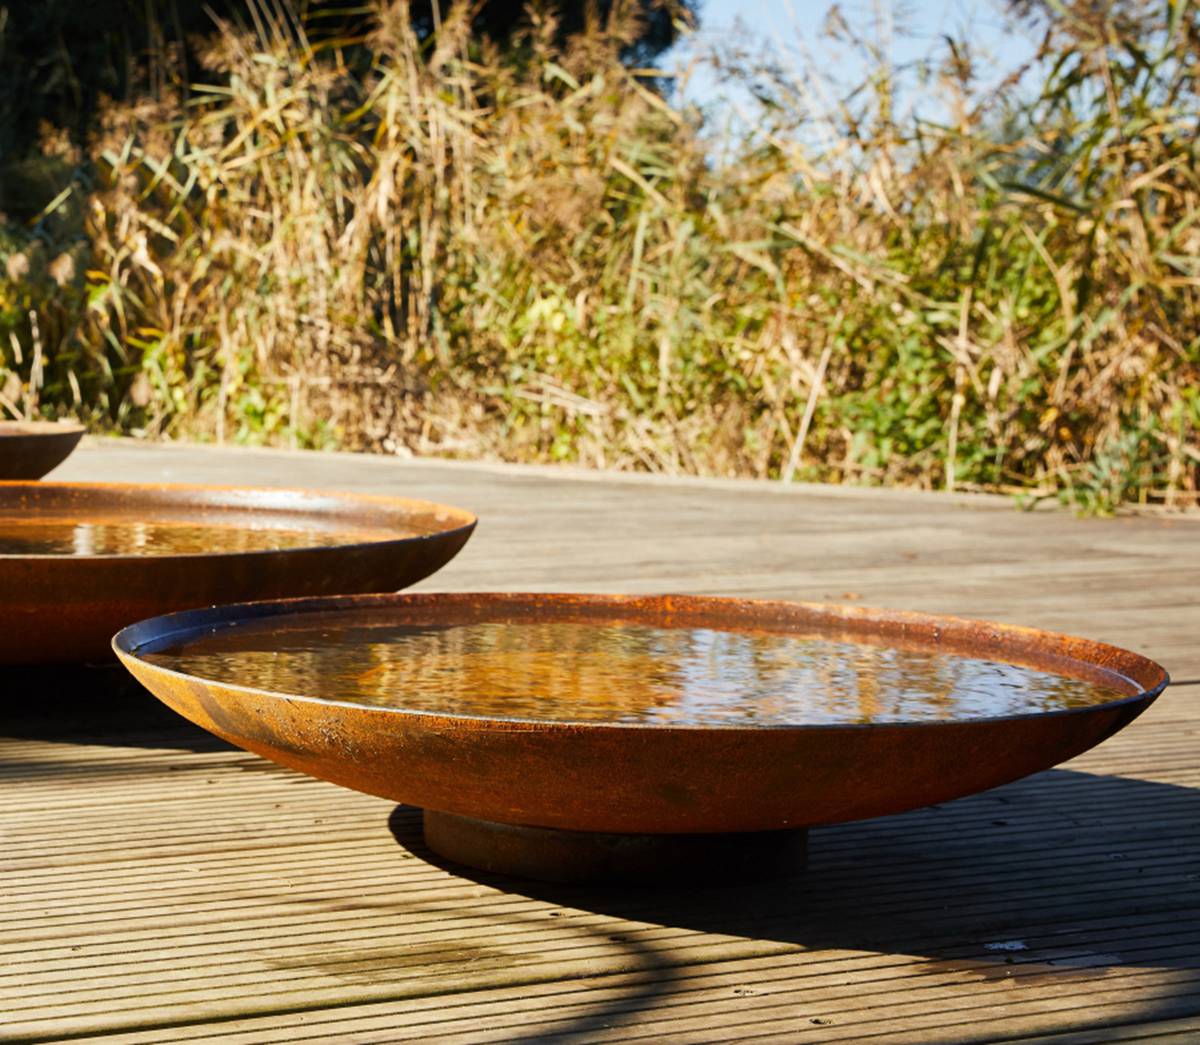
[650, 779]
[29, 449]
[57, 608]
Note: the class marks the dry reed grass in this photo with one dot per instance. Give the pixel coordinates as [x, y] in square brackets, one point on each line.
[434, 247]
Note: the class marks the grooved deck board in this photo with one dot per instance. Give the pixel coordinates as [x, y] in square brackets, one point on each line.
[159, 885]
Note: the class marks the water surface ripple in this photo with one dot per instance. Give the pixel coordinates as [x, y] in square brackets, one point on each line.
[624, 673]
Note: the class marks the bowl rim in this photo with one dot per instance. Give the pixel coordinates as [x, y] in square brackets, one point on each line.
[131, 641]
[460, 521]
[16, 428]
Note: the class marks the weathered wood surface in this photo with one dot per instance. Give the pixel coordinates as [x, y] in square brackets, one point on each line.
[158, 885]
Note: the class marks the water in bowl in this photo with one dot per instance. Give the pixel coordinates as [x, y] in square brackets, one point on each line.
[43, 534]
[624, 672]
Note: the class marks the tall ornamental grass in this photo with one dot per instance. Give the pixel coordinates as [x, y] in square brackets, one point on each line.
[438, 247]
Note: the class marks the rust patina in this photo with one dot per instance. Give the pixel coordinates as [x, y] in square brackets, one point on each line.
[29, 449]
[636, 779]
[57, 608]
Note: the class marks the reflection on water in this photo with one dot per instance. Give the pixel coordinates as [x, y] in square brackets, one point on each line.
[628, 672]
[112, 535]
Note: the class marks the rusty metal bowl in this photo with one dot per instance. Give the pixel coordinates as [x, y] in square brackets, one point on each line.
[474, 776]
[60, 608]
[29, 449]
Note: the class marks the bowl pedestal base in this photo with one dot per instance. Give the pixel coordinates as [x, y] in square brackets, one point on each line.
[551, 855]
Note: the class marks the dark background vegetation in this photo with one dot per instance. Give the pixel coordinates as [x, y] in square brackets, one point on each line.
[58, 58]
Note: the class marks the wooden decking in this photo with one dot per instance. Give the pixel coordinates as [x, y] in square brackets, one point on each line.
[157, 885]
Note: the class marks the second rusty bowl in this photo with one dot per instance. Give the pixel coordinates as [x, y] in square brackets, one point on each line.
[558, 798]
[30, 449]
[60, 608]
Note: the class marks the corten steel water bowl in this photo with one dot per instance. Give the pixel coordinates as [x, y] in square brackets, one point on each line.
[566, 800]
[78, 561]
[29, 449]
